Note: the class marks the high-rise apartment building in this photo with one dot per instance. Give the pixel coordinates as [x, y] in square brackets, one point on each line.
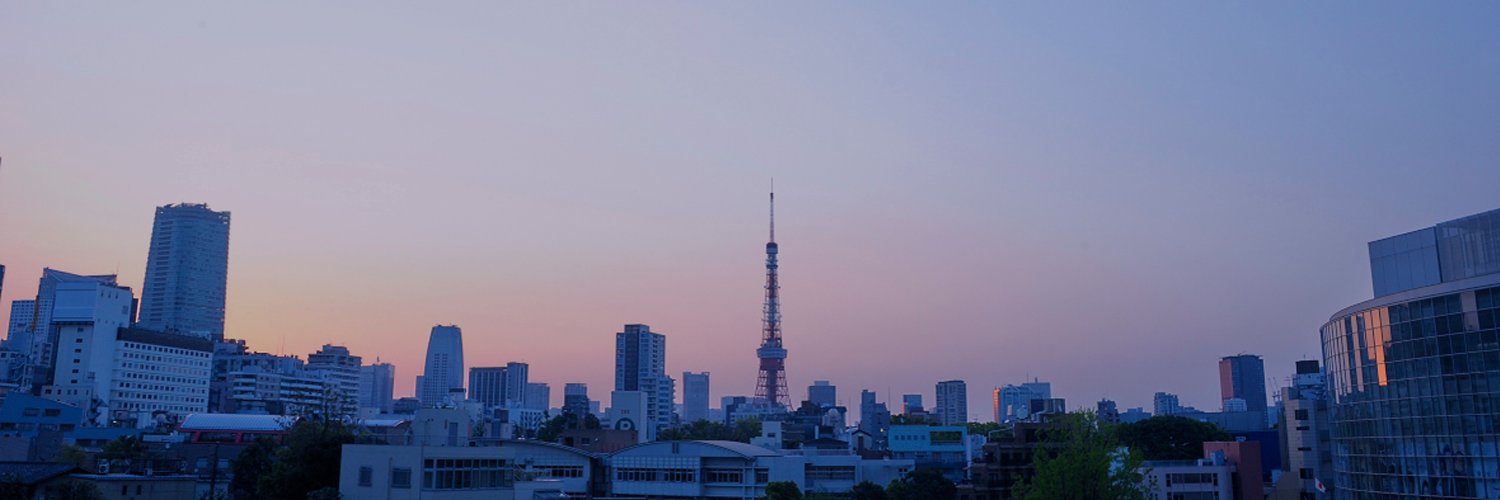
[1303, 424]
[952, 406]
[874, 417]
[822, 394]
[35, 338]
[694, 396]
[1411, 401]
[187, 270]
[1243, 377]
[377, 386]
[341, 369]
[444, 370]
[517, 379]
[1165, 404]
[1013, 402]
[640, 366]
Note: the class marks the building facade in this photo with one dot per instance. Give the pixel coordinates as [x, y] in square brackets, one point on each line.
[1412, 373]
[1013, 402]
[694, 396]
[640, 365]
[1242, 377]
[187, 271]
[952, 407]
[444, 370]
[342, 370]
[377, 387]
[823, 394]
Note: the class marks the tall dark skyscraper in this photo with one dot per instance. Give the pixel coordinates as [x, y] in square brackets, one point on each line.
[187, 271]
[1243, 377]
[771, 385]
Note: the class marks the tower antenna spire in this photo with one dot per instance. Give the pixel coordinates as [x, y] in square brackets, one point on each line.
[773, 209]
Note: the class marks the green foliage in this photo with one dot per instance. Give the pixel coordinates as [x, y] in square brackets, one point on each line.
[553, 428]
[912, 420]
[74, 456]
[742, 431]
[329, 493]
[1077, 462]
[1170, 437]
[867, 491]
[307, 461]
[783, 490]
[252, 464]
[124, 447]
[922, 484]
[73, 490]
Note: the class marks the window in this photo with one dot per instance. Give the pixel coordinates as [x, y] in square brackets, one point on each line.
[1305, 473]
[51, 412]
[401, 478]
[365, 474]
[1301, 414]
[31, 412]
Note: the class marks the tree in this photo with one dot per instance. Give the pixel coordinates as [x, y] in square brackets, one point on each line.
[253, 463]
[867, 491]
[783, 490]
[1078, 461]
[922, 484]
[307, 461]
[75, 456]
[912, 420]
[704, 430]
[1170, 437]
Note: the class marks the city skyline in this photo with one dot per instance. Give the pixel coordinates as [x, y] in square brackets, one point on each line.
[990, 225]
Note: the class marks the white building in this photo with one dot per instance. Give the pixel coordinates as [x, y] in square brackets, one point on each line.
[641, 365]
[256, 391]
[129, 376]
[1207, 478]
[444, 369]
[511, 470]
[341, 369]
[729, 469]
[952, 402]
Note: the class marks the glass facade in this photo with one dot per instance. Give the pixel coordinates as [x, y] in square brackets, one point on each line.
[1451, 251]
[1415, 393]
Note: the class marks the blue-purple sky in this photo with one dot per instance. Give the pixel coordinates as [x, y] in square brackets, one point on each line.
[1108, 196]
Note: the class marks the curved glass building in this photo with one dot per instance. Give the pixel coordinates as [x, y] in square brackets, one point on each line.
[1414, 374]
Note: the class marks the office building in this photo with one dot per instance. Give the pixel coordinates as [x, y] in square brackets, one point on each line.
[1165, 404]
[576, 399]
[1243, 377]
[444, 370]
[377, 384]
[952, 403]
[694, 396]
[487, 385]
[538, 396]
[341, 369]
[36, 338]
[911, 404]
[517, 379]
[640, 366]
[822, 394]
[874, 418]
[1410, 371]
[187, 271]
[122, 376]
[1013, 402]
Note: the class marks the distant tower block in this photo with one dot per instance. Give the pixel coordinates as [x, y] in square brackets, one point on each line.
[771, 386]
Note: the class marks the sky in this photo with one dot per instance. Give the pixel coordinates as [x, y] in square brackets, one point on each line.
[1106, 196]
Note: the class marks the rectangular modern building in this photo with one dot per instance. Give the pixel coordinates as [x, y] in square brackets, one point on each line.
[341, 369]
[187, 271]
[822, 394]
[1013, 402]
[538, 397]
[694, 396]
[640, 365]
[952, 402]
[1243, 377]
[377, 386]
